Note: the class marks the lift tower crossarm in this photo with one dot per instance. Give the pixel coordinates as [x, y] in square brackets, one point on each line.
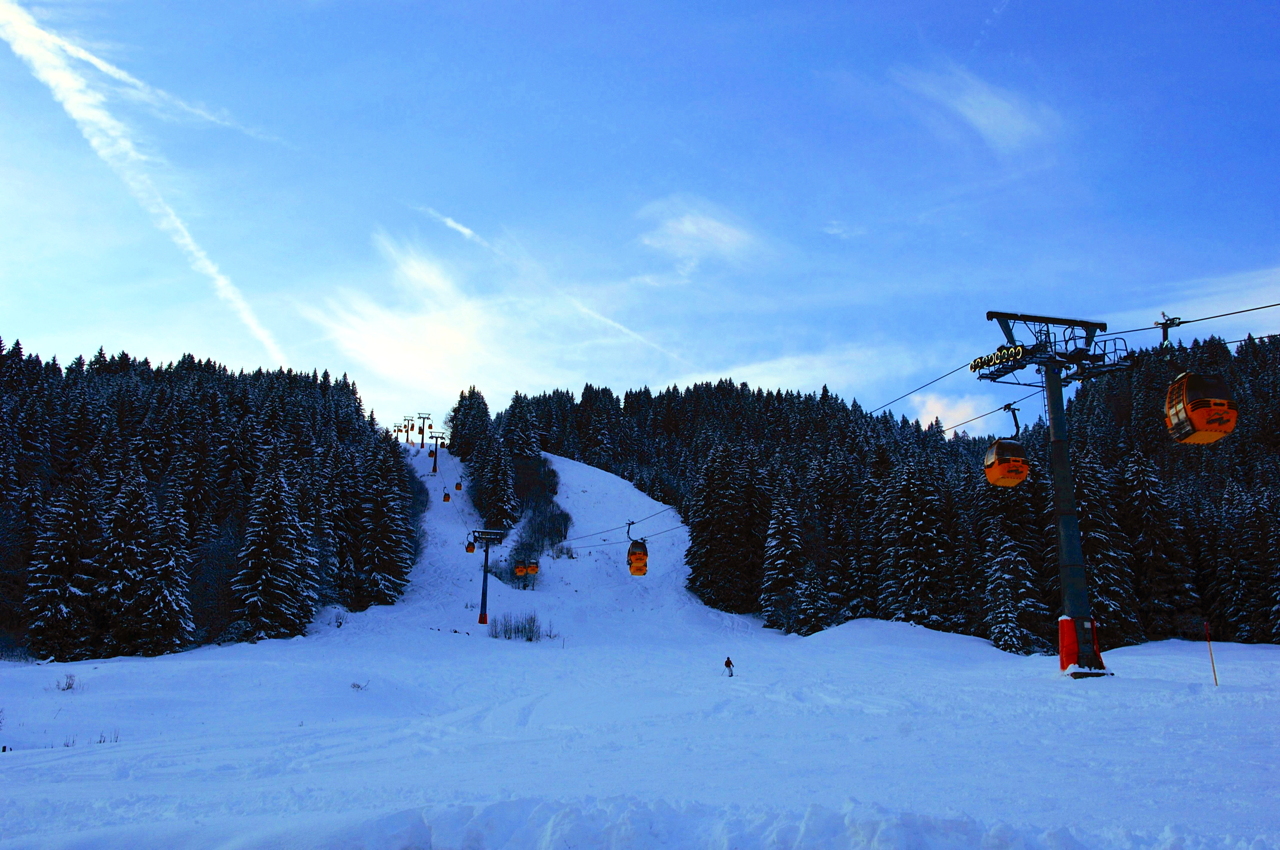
[1046, 320]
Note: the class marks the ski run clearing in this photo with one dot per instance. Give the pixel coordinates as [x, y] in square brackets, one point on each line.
[409, 727]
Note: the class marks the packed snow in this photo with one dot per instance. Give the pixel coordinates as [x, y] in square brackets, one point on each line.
[409, 727]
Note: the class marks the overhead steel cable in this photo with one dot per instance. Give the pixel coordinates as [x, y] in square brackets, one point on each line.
[988, 413]
[625, 542]
[618, 527]
[1182, 322]
[917, 389]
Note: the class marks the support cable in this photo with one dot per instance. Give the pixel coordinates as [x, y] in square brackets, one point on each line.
[917, 389]
[988, 413]
[625, 542]
[1193, 321]
[618, 527]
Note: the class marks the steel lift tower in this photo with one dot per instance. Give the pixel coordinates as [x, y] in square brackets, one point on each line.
[1063, 351]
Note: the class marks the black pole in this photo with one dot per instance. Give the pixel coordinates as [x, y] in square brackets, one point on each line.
[1075, 587]
[484, 588]
[435, 459]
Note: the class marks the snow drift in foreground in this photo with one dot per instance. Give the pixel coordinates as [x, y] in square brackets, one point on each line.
[622, 823]
[408, 727]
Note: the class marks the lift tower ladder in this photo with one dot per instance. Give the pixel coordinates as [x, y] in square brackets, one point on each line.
[1063, 351]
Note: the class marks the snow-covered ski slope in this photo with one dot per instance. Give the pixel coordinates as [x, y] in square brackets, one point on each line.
[624, 732]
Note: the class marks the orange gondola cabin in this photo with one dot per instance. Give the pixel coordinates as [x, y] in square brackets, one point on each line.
[1199, 409]
[521, 569]
[1006, 463]
[638, 558]
[531, 569]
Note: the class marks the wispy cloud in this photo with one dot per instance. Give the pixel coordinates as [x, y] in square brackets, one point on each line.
[691, 230]
[1005, 121]
[1209, 296]
[47, 55]
[854, 370]
[519, 334]
[841, 230]
[531, 270]
[467, 233]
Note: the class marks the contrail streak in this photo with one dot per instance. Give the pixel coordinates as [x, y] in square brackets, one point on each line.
[472, 236]
[46, 54]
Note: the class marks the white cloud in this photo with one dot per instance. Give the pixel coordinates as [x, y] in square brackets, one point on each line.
[841, 230]
[1005, 121]
[847, 369]
[522, 335]
[47, 55]
[690, 231]
[953, 410]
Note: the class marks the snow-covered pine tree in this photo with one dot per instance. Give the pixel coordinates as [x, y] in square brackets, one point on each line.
[784, 565]
[1011, 600]
[62, 605]
[386, 550]
[1248, 584]
[145, 583]
[1111, 585]
[1166, 597]
[727, 527]
[468, 424]
[520, 428]
[275, 586]
[915, 552]
[814, 609]
[493, 474]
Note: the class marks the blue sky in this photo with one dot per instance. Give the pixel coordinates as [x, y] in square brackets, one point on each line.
[529, 196]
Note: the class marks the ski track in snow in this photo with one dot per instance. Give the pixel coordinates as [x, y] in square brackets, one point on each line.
[623, 732]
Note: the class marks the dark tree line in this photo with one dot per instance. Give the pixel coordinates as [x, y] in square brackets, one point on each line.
[810, 511]
[144, 509]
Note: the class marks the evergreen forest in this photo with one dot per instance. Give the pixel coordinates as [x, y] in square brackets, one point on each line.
[810, 511]
[148, 509]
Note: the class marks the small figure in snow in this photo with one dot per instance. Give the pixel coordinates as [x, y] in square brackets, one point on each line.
[728, 665]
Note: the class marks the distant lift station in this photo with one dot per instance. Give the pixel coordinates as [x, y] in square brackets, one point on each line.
[1064, 350]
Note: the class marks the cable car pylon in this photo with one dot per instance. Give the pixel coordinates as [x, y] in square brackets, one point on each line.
[637, 553]
[1063, 350]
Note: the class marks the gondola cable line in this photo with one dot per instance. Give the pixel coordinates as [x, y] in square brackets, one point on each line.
[989, 412]
[1100, 336]
[1181, 322]
[618, 527]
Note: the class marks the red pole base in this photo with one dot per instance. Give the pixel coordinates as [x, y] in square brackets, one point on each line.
[484, 619]
[1069, 650]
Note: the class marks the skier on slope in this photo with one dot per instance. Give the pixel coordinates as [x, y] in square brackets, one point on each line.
[728, 665]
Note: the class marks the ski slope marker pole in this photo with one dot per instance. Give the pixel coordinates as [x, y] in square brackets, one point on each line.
[1212, 665]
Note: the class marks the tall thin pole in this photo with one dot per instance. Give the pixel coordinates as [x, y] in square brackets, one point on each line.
[1075, 587]
[423, 429]
[484, 588]
[435, 459]
[1212, 664]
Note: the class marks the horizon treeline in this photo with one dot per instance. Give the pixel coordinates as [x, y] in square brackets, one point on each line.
[146, 509]
[810, 511]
